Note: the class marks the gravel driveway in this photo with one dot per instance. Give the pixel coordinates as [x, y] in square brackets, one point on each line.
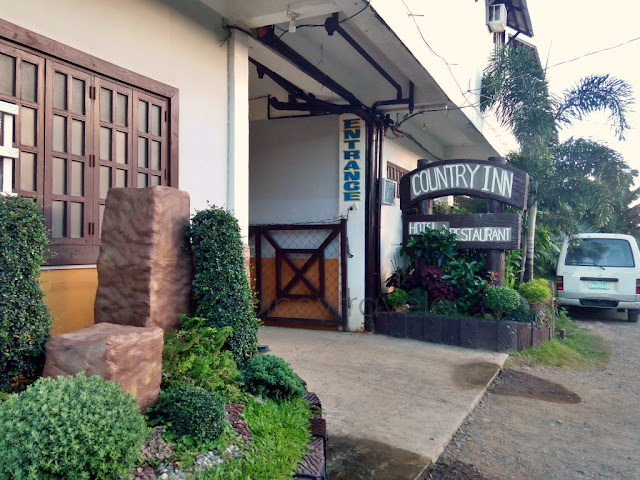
[509, 437]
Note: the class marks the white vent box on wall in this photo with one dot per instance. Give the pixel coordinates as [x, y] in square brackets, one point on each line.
[497, 17]
[388, 192]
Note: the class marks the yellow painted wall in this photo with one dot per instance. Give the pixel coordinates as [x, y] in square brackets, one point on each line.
[69, 295]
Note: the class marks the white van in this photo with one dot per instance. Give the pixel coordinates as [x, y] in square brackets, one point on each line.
[600, 270]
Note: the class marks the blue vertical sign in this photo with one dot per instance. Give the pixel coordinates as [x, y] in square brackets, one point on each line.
[351, 159]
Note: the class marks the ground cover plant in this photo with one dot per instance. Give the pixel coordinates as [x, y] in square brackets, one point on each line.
[70, 428]
[25, 321]
[579, 350]
[281, 435]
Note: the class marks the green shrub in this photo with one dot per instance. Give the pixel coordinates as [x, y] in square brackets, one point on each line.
[536, 291]
[464, 277]
[501, 300]
[434, 247]
[192, 411]
[444, 308]
[193, 355]
[220, 287]
[522, 313]
[417, 299]
[71, 428]
[270, 376]
[25, 322]
[397, 298]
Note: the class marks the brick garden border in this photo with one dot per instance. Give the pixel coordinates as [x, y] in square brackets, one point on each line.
[504, 336]
[313, 465]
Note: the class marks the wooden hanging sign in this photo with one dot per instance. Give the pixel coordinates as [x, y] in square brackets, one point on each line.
[476, 178]
[487, 231]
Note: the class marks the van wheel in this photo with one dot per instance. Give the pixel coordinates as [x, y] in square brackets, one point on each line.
[633, 317]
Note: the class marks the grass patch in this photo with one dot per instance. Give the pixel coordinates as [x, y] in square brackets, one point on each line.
[580, 350]
[280, 431]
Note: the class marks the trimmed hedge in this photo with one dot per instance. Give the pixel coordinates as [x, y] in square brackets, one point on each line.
[270, 376]
[25, 323]
[192, 411]
[71, 427]
[220, 286]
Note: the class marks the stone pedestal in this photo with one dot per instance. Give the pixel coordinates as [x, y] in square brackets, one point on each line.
[144, 267]
[130, 356]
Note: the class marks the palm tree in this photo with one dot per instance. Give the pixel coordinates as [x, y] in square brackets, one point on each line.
[515, 85]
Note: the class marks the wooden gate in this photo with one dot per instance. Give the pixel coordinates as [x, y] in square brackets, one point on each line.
[299, 274]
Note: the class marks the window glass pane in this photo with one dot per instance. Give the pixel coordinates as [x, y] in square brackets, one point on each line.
[155, 180]
[101, 209]
[29, 87]
[58, 219]
[76, 219]
[77, 137]
[601, 252]
[122, 110]
[142, 180]
[105, 143]
[7, 74]
[77, 179]
[121, 178]
[59, 133]
[143, 159]
[143, 115]
[28, 126]
[59, 176]
[77, 87]
[105, 181]
[155, 155]
[105, 105]
[27, 171]
[121, 147]
[60, 91]
[155, 120]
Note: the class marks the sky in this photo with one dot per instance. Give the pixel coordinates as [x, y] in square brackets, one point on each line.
[566, 29]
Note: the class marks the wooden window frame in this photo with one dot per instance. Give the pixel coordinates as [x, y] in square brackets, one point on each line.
[32, 43]
[395, 173]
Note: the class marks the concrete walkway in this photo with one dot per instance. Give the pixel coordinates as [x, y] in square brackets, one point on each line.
[405, 394]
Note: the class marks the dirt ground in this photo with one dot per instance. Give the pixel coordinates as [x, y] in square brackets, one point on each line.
[559, 424]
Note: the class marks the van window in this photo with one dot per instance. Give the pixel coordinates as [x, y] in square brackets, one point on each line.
[602, 252]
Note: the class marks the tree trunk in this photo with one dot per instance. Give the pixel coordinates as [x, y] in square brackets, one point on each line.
[523, 241]
[531, 236]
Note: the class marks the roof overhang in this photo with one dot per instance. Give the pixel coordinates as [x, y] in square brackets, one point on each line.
[448, 130]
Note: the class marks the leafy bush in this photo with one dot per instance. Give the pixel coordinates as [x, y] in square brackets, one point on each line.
[417, 299]
[536, 291]
[433, 247]
[444, 308]
[191, 411]
[397, 298]
[270, 376]
[501, 300]
[522, 313]
[437, 287]
[73, 427]
[193, 355]
[464, 277]
[25, 322]
[220, 287]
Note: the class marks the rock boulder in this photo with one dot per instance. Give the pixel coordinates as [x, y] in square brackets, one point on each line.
[130, 356]
[144, 267]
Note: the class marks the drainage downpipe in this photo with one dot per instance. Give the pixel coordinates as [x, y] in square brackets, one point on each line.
[372, 224]
[378, 224]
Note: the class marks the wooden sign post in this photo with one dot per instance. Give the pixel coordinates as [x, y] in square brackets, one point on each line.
[500, 183]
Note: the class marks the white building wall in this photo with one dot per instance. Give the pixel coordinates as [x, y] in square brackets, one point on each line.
[293, 170]
[403, 153]
[177, 42]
